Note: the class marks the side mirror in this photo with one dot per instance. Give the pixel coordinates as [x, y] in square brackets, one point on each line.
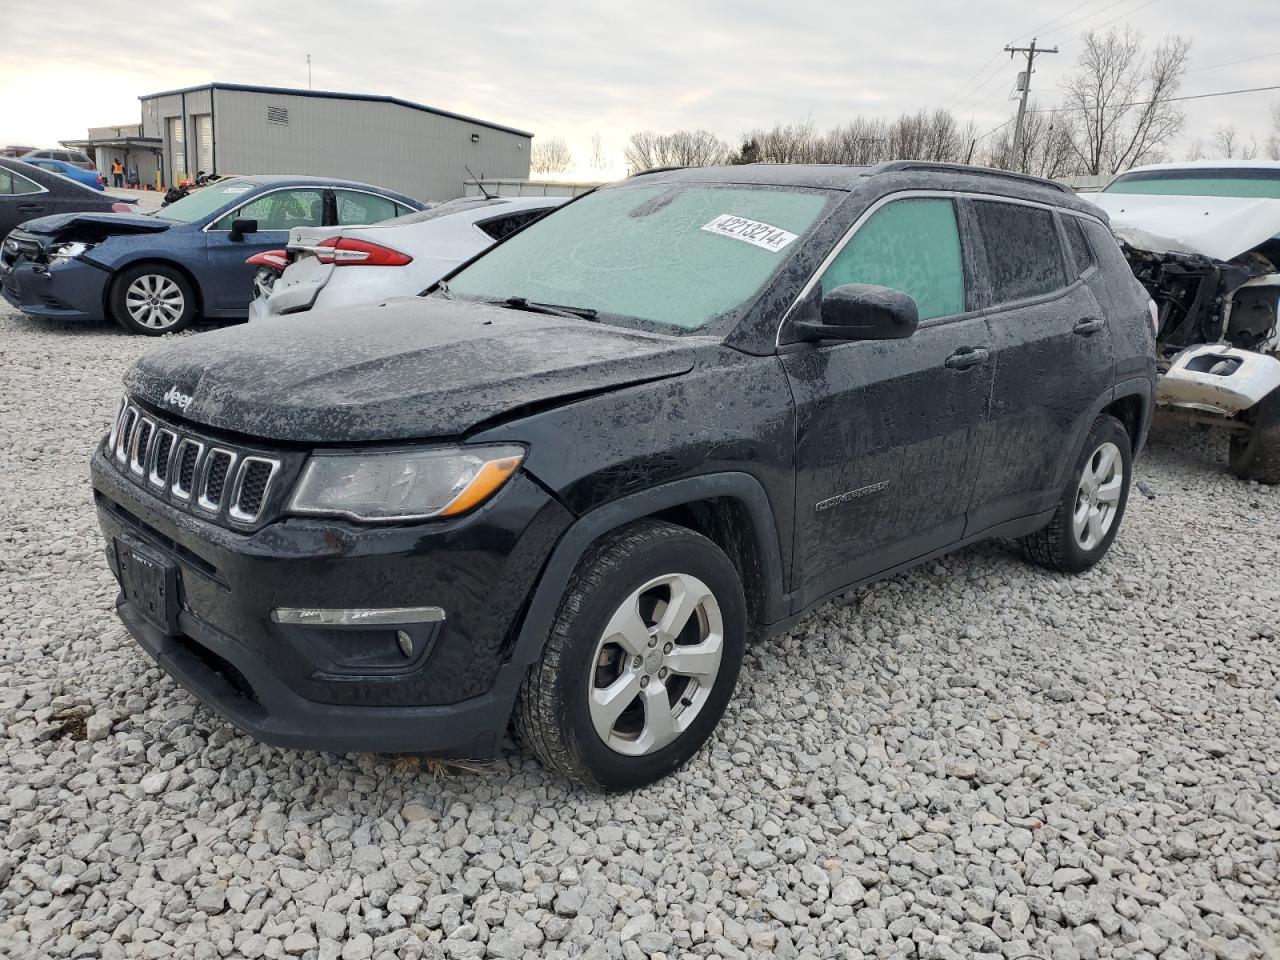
[862, 311]
[242, 228]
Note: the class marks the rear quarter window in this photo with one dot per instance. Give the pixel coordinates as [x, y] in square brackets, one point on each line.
[1023, 252]
[1081, 252]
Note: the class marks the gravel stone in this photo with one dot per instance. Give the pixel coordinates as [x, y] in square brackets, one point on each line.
[973, 759]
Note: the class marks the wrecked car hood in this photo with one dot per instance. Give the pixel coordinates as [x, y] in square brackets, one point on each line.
[1216, 227]
[409, 368]
[98, 224]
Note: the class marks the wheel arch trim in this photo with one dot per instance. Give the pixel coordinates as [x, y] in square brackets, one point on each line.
[591, 526]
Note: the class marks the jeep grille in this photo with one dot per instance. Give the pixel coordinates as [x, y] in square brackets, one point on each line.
[215, 480]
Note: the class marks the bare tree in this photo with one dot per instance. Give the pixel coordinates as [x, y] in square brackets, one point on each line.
[550, 156]
[1231, 147]
[1196, 150]
[683, 148]
[783, 143]
[1121, 99]
[598, 159]
[1273, 138]
[1047, 148]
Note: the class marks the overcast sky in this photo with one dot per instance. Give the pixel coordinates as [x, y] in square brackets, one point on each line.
[572, 67]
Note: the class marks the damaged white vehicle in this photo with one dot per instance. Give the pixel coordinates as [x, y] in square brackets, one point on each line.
[1204, 239]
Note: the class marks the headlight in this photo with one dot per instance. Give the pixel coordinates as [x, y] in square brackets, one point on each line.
[67, 251]
[407, 485]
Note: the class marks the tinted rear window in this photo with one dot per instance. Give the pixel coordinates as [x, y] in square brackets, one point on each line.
[1081, 253]
[1024, 256]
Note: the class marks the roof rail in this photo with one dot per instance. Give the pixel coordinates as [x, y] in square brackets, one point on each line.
[645, 173]
[894, 166]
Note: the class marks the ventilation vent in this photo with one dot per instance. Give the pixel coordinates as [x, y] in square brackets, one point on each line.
[277, 114]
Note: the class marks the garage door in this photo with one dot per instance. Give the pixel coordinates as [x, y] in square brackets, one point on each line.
[177, 152]
[204, 143]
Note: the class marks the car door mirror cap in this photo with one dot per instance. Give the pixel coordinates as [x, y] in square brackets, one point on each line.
[862, 311]
[242, 227]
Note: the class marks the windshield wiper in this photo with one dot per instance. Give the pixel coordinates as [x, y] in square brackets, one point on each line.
[532, 306]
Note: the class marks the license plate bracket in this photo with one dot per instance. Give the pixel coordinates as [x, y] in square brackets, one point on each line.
[149, 581]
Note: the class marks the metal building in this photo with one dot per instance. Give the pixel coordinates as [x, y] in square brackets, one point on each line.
[230, 128]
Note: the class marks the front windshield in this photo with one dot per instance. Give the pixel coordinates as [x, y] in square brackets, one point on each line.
[673, 256]
[198, 204]
[1207, 182]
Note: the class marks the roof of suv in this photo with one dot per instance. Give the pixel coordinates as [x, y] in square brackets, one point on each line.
[914, 174]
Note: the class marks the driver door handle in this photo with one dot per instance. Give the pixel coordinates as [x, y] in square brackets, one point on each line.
[967, 357]
[1087, 326]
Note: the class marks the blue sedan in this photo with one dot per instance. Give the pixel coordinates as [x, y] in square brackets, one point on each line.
[154, 273]
[89, 178]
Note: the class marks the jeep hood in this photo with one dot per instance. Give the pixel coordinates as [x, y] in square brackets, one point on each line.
[1217, 227]
[409, 368]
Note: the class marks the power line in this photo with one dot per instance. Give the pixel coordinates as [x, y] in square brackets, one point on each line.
[1106, 23]
[1143, 103]
[1070, 23]
[1232, 63]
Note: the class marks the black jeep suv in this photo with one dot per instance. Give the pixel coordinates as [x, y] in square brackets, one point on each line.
[565, 486]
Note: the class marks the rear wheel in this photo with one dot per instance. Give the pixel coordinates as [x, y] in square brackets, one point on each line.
[1256, 455]
[1088, 515]
[152, 299]
[641, 661]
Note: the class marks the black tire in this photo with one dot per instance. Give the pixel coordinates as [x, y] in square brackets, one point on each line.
[1056, 546]
[161, 279]
[553, 713]
[1256, 455]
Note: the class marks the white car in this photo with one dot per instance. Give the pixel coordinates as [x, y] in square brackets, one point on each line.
[400, 257]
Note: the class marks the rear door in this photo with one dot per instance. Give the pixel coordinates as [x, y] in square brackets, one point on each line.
[886, 431]
[1053, 358]
[230, 280]
[21, 199]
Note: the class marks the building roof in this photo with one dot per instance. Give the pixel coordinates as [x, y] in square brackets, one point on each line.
[335, 95]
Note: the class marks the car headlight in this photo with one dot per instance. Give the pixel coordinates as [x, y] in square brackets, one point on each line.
[403, 485]
[67, 251]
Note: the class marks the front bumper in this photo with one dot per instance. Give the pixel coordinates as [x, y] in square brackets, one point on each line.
[74, 290]
[1216, 378]
[335, 689]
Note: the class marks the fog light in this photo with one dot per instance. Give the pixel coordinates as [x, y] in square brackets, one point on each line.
[406, 643]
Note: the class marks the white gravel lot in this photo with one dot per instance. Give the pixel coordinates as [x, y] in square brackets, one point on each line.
[976, 759]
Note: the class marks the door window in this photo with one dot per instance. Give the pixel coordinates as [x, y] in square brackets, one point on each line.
[1081, 252]
[14, 184]
[355, 208]
[910, 245]
[1024, 255]
[281, 210]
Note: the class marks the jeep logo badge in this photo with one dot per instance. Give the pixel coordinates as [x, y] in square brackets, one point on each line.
[177, 398]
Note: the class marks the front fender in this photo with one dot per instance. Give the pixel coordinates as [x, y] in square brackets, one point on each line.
[592, 526]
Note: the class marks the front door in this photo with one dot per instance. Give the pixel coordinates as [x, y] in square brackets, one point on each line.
[886, 431]
[1053, 360]
[230, 279]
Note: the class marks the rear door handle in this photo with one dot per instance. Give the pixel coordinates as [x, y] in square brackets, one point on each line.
[967, 357]
[1087, 326]
[29, 208]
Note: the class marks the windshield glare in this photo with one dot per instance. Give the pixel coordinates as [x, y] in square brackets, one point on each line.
[674, 256]
[1252, 184]
[199, 204]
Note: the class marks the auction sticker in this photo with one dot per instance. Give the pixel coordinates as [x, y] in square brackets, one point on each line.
[750, 231]
[235, 191]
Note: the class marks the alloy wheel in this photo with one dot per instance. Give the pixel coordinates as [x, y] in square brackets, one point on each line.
[155, 301]
[1098, 496]
[655, 664]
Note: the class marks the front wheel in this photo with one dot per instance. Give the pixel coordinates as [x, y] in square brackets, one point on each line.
[641, 660]
[1088, 515]
[152, 299]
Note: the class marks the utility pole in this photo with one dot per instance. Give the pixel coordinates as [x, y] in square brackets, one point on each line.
[309, 70]
[1024, 84]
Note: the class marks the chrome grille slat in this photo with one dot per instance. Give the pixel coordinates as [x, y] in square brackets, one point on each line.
[218, 465]
[215, 481]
